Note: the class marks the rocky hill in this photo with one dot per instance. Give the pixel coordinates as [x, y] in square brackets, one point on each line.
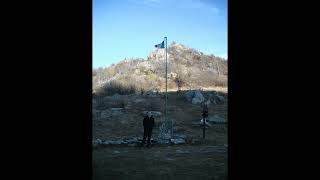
[187, 68]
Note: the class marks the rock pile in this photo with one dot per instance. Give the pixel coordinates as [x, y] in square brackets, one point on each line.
[137, 141]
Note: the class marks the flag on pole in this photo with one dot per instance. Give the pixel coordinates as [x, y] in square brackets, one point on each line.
[161, 45]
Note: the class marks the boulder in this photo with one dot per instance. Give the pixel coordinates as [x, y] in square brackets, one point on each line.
[198, 98]
[220, 98]
[154, 113]
[178, 141]
[189, 95]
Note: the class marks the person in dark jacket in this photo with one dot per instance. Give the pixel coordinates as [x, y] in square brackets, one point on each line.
[148, 124]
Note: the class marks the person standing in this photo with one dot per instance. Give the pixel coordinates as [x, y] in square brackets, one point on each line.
[204, 118]
[148, 124]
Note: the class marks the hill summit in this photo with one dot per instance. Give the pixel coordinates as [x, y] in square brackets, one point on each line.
[187, 68]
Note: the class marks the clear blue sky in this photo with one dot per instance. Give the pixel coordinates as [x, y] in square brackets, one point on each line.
[131, 28]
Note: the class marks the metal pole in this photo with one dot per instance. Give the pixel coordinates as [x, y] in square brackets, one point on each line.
[166, 85]
[204, 127]
[171, 128]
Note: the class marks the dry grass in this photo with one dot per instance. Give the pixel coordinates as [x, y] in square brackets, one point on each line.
[182, 112]
[161, 162]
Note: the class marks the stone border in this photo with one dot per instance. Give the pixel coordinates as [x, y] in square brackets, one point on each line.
[137, 141]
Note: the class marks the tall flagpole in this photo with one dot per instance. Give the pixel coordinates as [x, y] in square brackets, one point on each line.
[166, 85]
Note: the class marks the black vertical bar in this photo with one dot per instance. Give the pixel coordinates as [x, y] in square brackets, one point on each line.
[204, 127]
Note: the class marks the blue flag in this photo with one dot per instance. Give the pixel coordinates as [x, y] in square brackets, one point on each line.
[161, 45]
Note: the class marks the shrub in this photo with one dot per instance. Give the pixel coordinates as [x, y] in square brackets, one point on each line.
[115, 87]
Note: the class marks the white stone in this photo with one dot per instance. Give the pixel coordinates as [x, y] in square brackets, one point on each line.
[178, 141]
[207, 122]
[153, 113]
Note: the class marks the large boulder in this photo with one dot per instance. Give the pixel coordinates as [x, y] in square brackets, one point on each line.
[216, 98]
[220, 98]
[189, 95]
[197, 98]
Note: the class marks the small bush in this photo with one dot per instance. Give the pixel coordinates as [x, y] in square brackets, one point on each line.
[114, 87]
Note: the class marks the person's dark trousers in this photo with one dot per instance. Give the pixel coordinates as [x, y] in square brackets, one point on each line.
[147, 134]
[149, 137]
